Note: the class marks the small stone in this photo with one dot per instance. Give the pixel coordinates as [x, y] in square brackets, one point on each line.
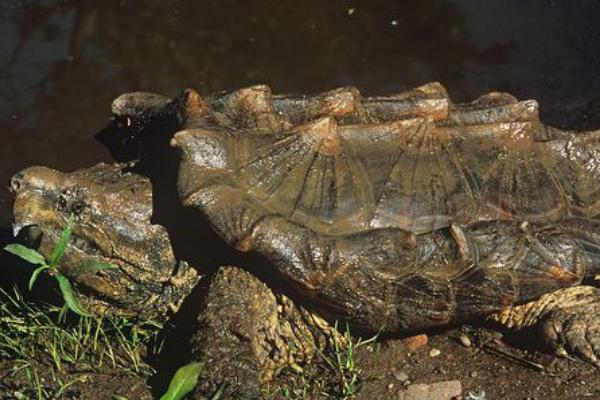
[434, 352]
[415, 342]
[400, 375]
[473, 374]
[445, 390]
[351, 11]
[475, 395]
[464, 340]
[390, 386]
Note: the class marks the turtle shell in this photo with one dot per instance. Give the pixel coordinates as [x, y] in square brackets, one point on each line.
[404, 211]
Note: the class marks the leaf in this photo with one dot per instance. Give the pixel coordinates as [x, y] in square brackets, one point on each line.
[35, 274]
[119, 397]
[61, 246]
[70, 299]
[27, 254]
[183, 381]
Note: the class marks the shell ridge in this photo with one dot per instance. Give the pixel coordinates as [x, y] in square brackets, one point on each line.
[303, 184]
[408, 141]
[362, 182]
[413, 193]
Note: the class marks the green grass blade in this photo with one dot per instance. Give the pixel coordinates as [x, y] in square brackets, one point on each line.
[27, 254]
[35, 275]
[184, 381]
[61, 246]
[70, 299]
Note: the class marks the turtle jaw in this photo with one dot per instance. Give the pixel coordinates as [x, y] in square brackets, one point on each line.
[139, 106]
[112, 211]
[34, 189]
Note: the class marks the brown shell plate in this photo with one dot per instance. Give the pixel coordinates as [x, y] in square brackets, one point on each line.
[385, 207]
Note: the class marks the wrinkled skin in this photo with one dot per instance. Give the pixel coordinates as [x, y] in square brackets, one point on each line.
[247, 333]
[401, 212]
[112, 211]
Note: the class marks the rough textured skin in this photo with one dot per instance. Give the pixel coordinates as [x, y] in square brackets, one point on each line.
[247, 333]
[566, 319]
[112, 211]
[403, 212]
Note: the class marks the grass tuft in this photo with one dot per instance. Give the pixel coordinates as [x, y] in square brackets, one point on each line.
[334, 375]
[45, 355]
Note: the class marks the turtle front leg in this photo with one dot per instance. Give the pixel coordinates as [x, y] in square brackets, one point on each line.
[567, 320]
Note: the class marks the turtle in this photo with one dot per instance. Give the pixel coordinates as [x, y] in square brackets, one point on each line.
[399, 213]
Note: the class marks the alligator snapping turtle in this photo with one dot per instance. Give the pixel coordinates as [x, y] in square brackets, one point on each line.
[402, 212]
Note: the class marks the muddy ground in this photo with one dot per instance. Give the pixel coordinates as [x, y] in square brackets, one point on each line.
[78, 384]
[389, 367]
[480, 369]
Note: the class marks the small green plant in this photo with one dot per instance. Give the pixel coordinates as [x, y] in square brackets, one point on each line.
[51, 267]
[184, 381]
[48, 357]
[337, 376]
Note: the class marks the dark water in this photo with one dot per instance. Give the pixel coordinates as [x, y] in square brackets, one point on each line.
[63, 61]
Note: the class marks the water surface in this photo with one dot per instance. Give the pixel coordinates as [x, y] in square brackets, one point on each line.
[63, 61]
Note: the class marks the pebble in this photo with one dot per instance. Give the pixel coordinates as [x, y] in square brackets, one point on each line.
[464, 340]
[474, 374]
[434, 352]
[400, 376]
[415, 342]
[475, 396]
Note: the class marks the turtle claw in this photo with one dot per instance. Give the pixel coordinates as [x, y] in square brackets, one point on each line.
[575, 331]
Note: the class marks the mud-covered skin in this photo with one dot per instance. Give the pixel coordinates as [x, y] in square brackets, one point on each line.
[394, 210]
[403, 212]
[112, 211]
[247, 333]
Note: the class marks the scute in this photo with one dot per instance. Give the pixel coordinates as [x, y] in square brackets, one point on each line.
[346, 169]
[404, 211]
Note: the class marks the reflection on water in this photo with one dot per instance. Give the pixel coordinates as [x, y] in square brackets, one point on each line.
[62, 61]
